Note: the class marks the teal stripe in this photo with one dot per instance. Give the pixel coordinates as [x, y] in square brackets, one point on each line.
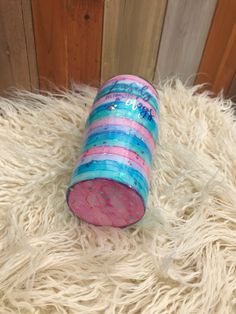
[123, 111]
[118, 128]
[114, 170]
[119, 89]
[120, 139]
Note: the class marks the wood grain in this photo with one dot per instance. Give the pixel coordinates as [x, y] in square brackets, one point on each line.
[85, 19]
[227, 66]
[49, 18]
[131, 36]
[30, 43]
[232, 89]
[68, 40]
[13, 51]
[184, 35]
[218, 65]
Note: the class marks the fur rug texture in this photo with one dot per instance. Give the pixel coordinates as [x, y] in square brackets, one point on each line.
[181, 258]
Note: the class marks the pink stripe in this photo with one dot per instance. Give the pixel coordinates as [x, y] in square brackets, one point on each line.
[132, 78]
[144, 170]
[116, 150]
[103, 100]
[141, 130]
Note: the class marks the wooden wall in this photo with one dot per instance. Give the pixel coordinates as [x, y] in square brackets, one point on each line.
[17, 49]
[51, 43]
[184, 35]
[68, 37]
[218, 62]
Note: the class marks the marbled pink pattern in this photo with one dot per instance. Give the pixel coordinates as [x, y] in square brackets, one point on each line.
[104, 202]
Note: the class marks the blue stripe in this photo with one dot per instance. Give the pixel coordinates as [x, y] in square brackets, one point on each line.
[119, 88]
[121, 139]
[114, 170]
[114, 128]
[123, 111]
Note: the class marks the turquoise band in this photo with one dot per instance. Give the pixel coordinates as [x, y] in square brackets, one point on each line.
[120, 139]
[122, 110]
[112, 170]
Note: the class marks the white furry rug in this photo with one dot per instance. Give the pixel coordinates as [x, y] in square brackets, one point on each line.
[181, 258]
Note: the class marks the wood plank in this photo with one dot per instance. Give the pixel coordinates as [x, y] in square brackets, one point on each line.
[185, 31]
[112, 39]
[49, 18]
[13, 51]
[232, 89]
[131, 36]
[85, 19]
[218, 61]
[227, 66]
[30, 43]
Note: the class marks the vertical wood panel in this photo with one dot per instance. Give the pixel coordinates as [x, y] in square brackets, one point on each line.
[232, 89]
[227, 66]
[112, 38]
[218, 65]
[51, 42]
[14, 70]
[68, 40]
[30, 43]
[85, 20]
[131, 37]
[184, 35]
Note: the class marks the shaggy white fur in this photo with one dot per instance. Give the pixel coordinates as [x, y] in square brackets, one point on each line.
[181, 258]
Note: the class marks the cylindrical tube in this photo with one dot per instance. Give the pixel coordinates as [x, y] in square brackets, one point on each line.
[109, 185]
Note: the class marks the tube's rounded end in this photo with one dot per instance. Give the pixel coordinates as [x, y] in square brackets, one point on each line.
[105, 202]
